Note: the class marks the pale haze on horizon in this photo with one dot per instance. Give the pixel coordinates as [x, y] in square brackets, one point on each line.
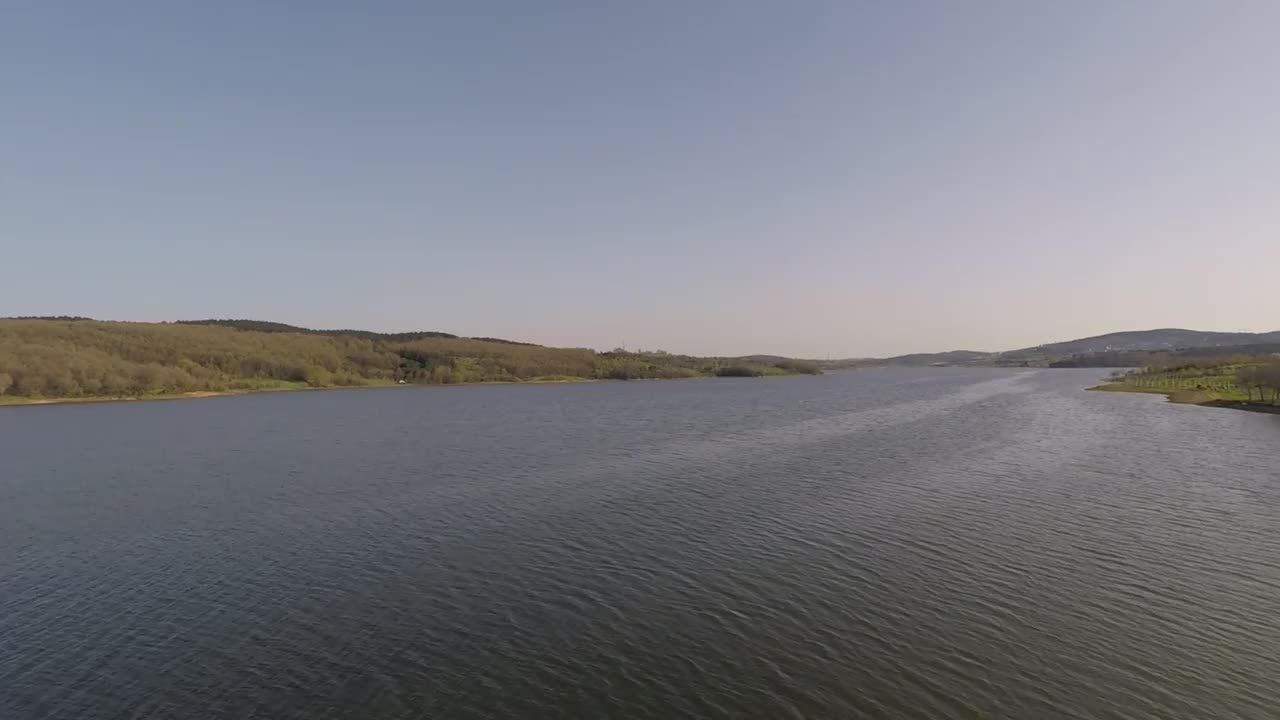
[804, 178]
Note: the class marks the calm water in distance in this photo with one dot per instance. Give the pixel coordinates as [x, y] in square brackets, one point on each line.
[876, 544]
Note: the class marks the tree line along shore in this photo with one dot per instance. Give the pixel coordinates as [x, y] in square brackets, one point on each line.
[50, 359]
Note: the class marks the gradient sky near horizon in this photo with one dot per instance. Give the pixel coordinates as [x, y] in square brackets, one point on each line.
[794, 177]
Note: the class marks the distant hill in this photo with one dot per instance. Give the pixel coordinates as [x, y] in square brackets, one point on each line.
[1148, 358]
[1119, 349]
[952, 357]
[949, 358]
[1133, 340]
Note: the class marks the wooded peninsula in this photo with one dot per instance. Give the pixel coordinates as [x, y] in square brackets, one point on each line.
[71, 358]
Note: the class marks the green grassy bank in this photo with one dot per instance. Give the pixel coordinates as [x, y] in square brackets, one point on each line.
[1254, 386]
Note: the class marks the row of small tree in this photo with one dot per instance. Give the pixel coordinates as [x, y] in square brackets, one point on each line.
[1265, 379]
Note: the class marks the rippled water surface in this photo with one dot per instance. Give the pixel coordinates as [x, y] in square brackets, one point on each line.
[876, 544]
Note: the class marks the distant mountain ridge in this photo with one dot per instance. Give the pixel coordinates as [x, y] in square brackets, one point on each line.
[1110, 345]
[1160, 339]
[950, 357]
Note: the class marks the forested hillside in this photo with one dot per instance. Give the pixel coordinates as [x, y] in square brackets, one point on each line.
[69, 358]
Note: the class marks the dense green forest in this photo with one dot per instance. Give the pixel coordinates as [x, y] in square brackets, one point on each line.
[78, 357]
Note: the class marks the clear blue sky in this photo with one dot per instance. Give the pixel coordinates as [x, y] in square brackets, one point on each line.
[808, 178]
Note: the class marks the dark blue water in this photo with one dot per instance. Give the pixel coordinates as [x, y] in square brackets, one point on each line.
[876, 544]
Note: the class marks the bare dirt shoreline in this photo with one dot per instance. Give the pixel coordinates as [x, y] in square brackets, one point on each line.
[1193, 397]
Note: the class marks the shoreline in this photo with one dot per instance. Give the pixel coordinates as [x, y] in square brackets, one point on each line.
[1198, 398]
[22, 401]
[193, 395]
[15, 401]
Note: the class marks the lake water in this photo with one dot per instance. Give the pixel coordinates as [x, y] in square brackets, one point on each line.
[876, 544]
